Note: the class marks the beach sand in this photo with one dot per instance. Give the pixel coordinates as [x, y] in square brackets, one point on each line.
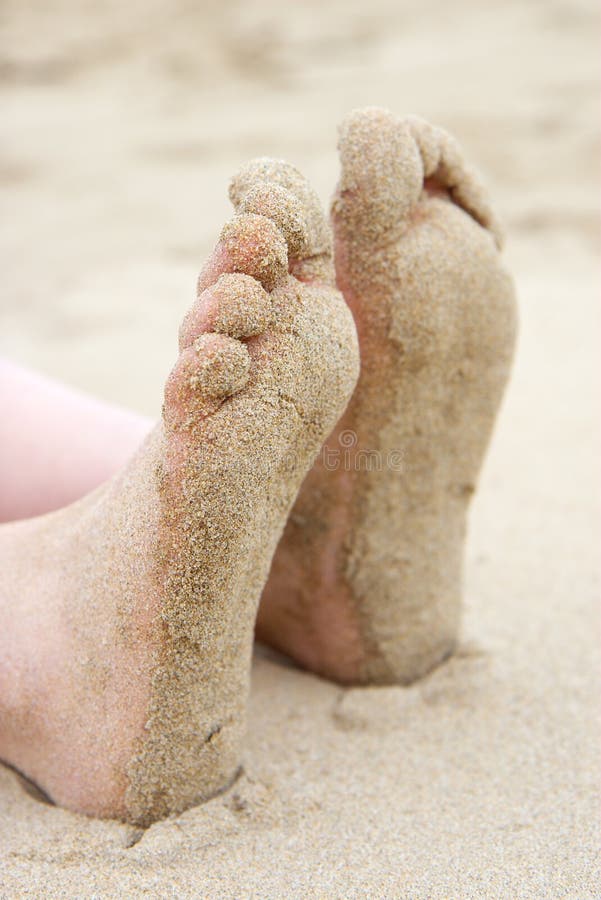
[122, 125]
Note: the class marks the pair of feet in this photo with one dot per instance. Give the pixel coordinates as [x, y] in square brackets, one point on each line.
[126, 619]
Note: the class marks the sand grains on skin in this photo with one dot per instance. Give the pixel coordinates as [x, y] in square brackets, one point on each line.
[147, 589]
[366, 583]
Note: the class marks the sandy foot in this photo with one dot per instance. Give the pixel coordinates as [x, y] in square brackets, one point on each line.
[126, 619]
[366, 582]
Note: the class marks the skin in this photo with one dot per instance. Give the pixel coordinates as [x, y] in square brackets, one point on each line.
[85, 441]
[126, 619]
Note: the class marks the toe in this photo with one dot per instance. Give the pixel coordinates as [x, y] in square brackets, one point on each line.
[444, 165]
[243, 308]
[214, 367]
[381, 176]
[285, 210]
[256, 247]
[276, 189]
[252, 245]
[222, 365]
[384, 163]
[236, 305]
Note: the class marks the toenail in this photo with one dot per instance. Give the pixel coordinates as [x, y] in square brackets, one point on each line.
[243, 306]
[223, 365]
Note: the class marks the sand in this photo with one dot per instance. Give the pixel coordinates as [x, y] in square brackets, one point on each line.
[120, 131]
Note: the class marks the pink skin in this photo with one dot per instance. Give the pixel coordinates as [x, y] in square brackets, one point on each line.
[42, 730]
[57, 443]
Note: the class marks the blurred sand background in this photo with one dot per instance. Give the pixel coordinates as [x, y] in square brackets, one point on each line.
[121, 124]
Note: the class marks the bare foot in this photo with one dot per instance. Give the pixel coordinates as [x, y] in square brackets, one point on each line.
[366, 582]
[126, 619]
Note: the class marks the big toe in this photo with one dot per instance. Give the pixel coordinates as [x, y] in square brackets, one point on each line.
[381, 175]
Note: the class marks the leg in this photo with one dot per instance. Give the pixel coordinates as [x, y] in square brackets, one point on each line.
[56, 443]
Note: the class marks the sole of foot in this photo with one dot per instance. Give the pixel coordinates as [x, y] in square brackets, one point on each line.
[126, 619]
[366, 583]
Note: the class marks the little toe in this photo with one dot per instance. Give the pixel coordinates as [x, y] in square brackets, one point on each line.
[381, 176]
[214, 367]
